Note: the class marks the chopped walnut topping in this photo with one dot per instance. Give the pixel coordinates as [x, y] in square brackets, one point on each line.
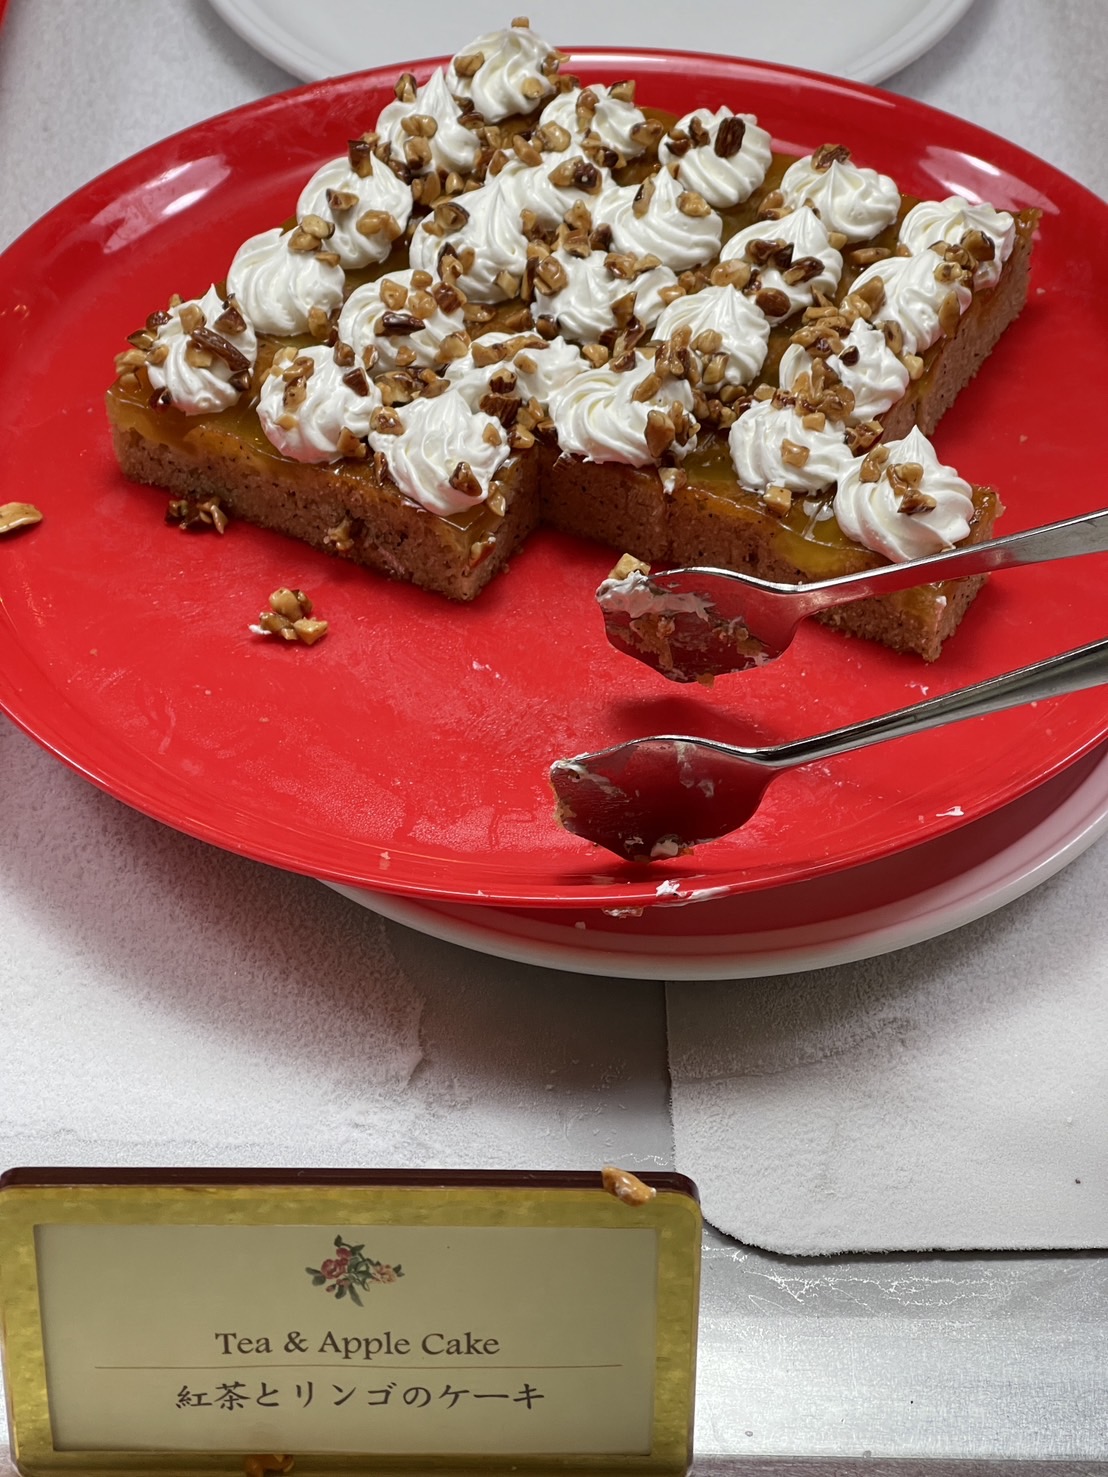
[129, 359]
[385, 422]
[893, 334]
[864, 435]
[647, 135]
[378, 223]
[710, 341]
[191, 317]
[917, 501]
[197, 357]
[803, 269]
[502, 407]
[873, 464]
[393, 295]
[20, 515]
[866, 300]
[467, 66]
[628, 564]
[865, 256]
[579, 174]
[730, 274]
[316, 226]
[552, 275]
[218, 347]
[626, 1186]
[660, 433]
[552, 138]
[981, 247]
[398, 323]
[343, 537]
[289, 617]
[350, 446]
[950, 313]
[690, 203]
[463, 479]
[643, 196]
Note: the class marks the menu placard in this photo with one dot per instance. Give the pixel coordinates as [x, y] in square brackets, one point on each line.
[535, 1322]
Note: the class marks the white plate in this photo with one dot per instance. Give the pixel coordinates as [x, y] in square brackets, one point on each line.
[965, 875]
[861, 39]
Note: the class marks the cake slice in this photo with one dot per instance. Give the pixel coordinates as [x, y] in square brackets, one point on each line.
[520, 300]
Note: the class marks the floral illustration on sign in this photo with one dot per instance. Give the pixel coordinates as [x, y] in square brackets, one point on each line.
[350, 1269]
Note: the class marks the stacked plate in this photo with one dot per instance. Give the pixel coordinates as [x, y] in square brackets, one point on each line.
[405, 756]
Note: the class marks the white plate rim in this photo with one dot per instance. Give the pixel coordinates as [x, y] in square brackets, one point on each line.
[249, 19]
[1039, 854]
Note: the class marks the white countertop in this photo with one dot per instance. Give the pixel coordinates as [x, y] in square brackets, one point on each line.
[168, 1003]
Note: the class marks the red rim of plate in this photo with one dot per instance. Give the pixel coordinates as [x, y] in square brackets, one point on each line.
[857, 810]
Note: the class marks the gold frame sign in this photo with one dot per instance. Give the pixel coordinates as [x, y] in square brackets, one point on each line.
[212, 1321]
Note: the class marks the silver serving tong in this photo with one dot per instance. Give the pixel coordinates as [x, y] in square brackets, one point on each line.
[656, 798]
[702, 622]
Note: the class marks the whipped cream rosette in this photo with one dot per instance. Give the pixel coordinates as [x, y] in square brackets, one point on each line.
[441, 453]
[921, 293]
[312, 408]
[900, 501]
[951, 221]
[583, 307]
[597, 113]
[858, 203]
[483, 228]
[368, 211]
[504, 72]
[792, 259]
[450, 144]
[537, 368]
[634, 417]
[195, 387]
[772, 447]
[661, 218]
[725, 325]
[722, 155]
[412, 318]
[276, 288]
[551, 188]
[867, 366]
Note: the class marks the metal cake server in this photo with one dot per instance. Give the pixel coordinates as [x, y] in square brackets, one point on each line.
[655, 798]
[703, 622]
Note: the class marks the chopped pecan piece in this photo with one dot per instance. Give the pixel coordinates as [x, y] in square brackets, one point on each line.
[772, 301]
[828, 154]
[729, 136]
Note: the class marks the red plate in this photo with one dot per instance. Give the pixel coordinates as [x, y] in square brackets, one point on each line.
[408, 751]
